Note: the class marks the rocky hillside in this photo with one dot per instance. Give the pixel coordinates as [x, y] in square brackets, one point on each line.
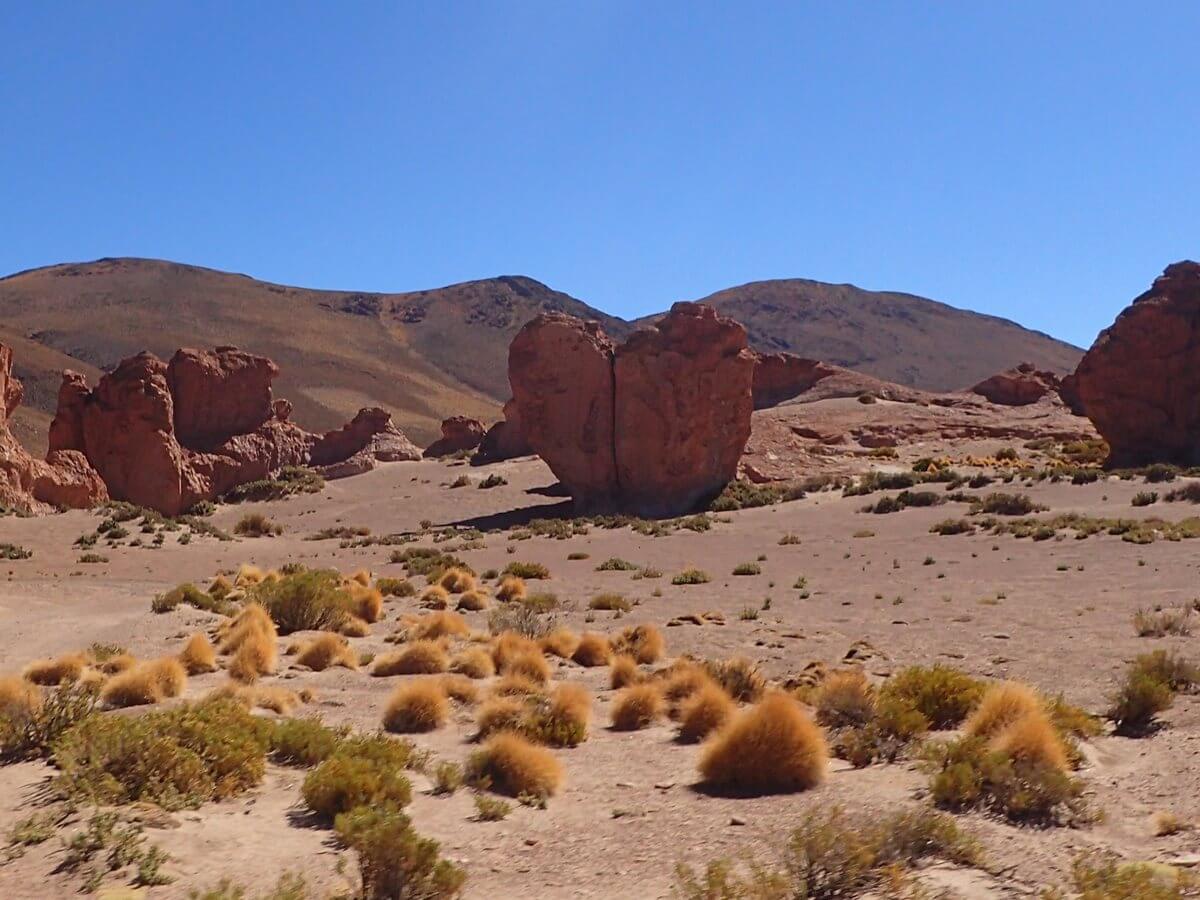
[427, 354]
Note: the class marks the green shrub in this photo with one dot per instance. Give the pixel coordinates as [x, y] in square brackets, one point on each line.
[1102, 877]
[1145, 498]
[1000, 504]
[943, 695]
[190, 595]
[491, 809]
[396, 863]
[447, 777]
[311, 600]
[493, 480]
[362, 770]
[952, 526]
[616, 564]
[291, 480]
[1148, 689]
[257, 525]
[691, 576]
[32, 733]
[747, 568]
[527, 570]
[176, 758]
[395, 587]
[14, 551]
[304, 742]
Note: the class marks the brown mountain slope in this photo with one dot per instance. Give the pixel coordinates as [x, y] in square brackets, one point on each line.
[897, 337]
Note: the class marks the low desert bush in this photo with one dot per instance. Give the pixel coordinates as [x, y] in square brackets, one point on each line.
[1001, 705]
[304, 742]
[510, 589]
[616, 564]
[395, 587]
[146, 683]
[326, 650]
[1001, 504]
[198, 655]
[531, 665]
[771, 748]
[417, 706]
[1148, 689]
[65, 669]
[637, 706]
[447, 777]
[1097, 876]
[1162, 622]
[610, 603]
[509, 764]
[472, 601]
[491, 809]
[623, 672]
[560, 642]
[310, 600]
[256, 525]
[560, 720]
[705, 711]
[529, 571]
[740, 678]
[361, 771]
[30, 724]
[438, 624]
[592, 650]
[844, 699]
[393, 860]
[943, 695]
[691, 576]
[644, 643]
[474, 662]
[423, 657]
[435, 597]
[457, 581]
[191, 595]
[747, 568]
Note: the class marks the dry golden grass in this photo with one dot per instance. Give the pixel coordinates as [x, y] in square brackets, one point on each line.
[362, 576]
[435, 597]
[644, 643]
[771, 748]
[517, 686]
[439, 624]
[706, 710]
[325, 650]
[474, 662]
[353, 626]
[255, 656]
[248, 575]
[18, 698]
[531, 665]
[146, 683]
[1032, 738]
[682, 679]
[637, 707]
[117, 664]
[417, 706]
[509, 645]
[740, 677]
[252, 620]
[220, 586]
[279, 700]
[1000, 706]
[593, 650]
[473, 601]
[64, 669]
[844, 699]
[499, 714]
[368, 602]
[198, 655]
[417, 658]
[570, 703]
[460, 688]
[509, 764]
[457, 581]
[560, 642]
[623, 673]
[510, 589]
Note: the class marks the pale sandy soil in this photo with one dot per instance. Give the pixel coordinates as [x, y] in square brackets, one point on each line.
[1055, 613]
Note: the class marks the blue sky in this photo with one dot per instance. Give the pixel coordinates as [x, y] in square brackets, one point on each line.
[1032, 160]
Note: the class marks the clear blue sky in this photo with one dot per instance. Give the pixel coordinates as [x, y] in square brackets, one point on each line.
[1030, 159]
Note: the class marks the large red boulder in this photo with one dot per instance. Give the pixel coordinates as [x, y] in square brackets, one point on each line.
[459, 434]
[1021, 386]
[561, 372]
[504, 440]
[64, 480]
[219, 393]
[782, 376]
[1140, 381]
[653, 427]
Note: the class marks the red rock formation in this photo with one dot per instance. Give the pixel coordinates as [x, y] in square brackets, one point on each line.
[459, 433]
[218, 394]
[64, 480]
[561, 372]
[1017, 387]
[683, 403]
[782, 376]
[504, 440]
[1140, 381]
[654, 427]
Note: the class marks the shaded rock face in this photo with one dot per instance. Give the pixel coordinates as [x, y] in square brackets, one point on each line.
[504, 440]
[233, 430]
[655, 426]
[1017, 387]
[459, 433]
[65, 479]
[1140, 381]
[782, 376]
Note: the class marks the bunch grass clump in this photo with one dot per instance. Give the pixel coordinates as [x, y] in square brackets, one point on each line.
[325, 651]
[307, 600]
[637, 706]
[510, 764]
[417, 706]
[592, 650]
[198, 655]
[644, 643]
[418, 658]
[704, 712]
[146, 683]
[943, 695]
[771, 748]
[66, 669]
[474, 662]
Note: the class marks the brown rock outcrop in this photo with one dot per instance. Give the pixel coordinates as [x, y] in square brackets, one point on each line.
[219, 393]
[655, 426]
[1017, 387]
[64, 480]
[782, 376]
[504, 440]
[1140, 381]
[459, 433]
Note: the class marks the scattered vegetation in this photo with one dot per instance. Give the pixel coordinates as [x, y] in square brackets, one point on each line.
[290, 481]
[772, 748]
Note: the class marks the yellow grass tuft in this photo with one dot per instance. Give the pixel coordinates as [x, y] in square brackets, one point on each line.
[248, 575]
[683, 679]
[560, 642]
[439, 624]
[1001, 705]
[198, 655]
[65, 669]
[593, 650]
[367, 602]
[624, 672]
[220, 587]
[531, 665]
[146, 683]
[435, 597]
[643, 642]
[252, 620]
[417, 706]
[362, 576]
[571, 703]
[474, 662]
[353, 626]
[518, 686]
[509, 645]
[708, 709]
[509, 764]
[1033, 739]
[499, 714]
[460, 688]
[637, 707]
[457, 581]
[256, 655]
[473, 601]
[511, 589]
[279, 700]
[417, 658]
[117, 664]
[844, 699]
[326, 650]
[18, 698]
[771, 748]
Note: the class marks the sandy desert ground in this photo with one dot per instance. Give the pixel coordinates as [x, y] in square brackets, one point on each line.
[849, 587]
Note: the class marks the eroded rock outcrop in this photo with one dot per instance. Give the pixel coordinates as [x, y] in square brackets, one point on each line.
[1017, 387]
[1140, 381]
[459, 434]
[64, 480]
[782, 376]
[504, 440]
[655, 426]
[167, 435]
